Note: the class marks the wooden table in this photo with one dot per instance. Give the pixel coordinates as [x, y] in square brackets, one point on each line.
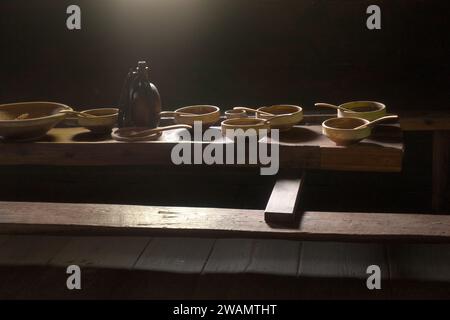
[136, 241]
[301, 148]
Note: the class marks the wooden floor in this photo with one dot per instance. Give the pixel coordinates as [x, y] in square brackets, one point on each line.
[34, 267]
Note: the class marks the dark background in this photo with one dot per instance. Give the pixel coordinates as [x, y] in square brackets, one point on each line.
[228, 52]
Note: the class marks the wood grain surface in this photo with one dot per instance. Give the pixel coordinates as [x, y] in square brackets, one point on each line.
[65, 218]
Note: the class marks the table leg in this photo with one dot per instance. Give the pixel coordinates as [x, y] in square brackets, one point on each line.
[441, 160]
[283, 203]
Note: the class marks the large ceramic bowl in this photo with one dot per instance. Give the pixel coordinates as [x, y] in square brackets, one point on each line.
[232, 128]
[293, 115]
[369, 110]
[206, 114]
[235, 114]
[29, 120]
[343, 132]
[103, 121]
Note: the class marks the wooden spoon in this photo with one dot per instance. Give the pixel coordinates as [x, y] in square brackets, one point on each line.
[370, 124]
[135, 134]
[327, 105]
[172, 113]
[277, 116]
[264, 113]
[79, 114]
[270, 115]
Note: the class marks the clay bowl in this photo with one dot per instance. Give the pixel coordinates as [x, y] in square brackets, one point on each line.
[369, 110]
[29, 120]
[341, 130]
[207, 114]
[103, 121]
[244, 126]
[292, 115]
[235, 114]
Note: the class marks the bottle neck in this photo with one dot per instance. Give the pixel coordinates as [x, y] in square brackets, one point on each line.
[142, 69]
[142, 73]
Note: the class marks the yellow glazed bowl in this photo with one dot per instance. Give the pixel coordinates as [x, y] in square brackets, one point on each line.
[235, 113]
[294, 114]
[341, 130]
[244, 126]
[29, 120]
[369, 110]
[105, 119]
[207, 114]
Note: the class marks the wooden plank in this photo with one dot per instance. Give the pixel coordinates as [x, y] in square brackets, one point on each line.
[423, 262]
[275, 257]
[221, 275]
[283, 202]
[368, 160]
[300, 147]
[24, 263]
[420, 271]
[363, 156]
[101, 252]
[229, 256]
[441, 163]
[382, 152]
[31, 250]
[338, 270]
[425, 121]
[175, 255]
[3, 238]
[341, 260]
[70, 218]
[271, 273]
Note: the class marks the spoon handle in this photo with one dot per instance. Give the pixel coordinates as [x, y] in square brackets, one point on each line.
[277, 117]
[136, 134]
[76, 113]
[254, 110]
[159, 129]
[328, 105]
[376, 121]
[173, 113]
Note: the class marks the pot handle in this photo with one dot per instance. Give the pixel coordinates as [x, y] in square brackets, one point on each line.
[169, 114]
[277, 117]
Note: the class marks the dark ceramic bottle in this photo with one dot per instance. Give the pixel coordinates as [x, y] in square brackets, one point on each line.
[124, 118]
[140, 103]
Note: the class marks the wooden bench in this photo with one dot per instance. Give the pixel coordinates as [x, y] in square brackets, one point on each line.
[99, 219]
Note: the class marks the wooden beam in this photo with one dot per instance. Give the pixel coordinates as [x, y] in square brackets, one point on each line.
[284, 200]
[75, 219]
